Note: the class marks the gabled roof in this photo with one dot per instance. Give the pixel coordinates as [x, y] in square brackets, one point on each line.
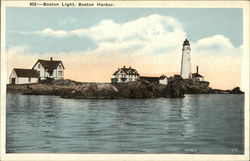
[49, 64]
[31, 73]
[128, 71]
[195, 75]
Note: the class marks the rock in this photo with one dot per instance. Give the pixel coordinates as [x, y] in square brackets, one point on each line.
[233, 91]
[65, 82]
[176, 88]
[193, 86]
[236, 91]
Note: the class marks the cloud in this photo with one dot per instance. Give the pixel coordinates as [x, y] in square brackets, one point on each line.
[151, 33]
[67, 21]
[151, 44]
[50, 32]
[217, 44]
[219, 40]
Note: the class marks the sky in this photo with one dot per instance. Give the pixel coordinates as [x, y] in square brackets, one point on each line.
[94, 42]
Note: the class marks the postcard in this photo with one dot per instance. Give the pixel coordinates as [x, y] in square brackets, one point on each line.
[124, 80]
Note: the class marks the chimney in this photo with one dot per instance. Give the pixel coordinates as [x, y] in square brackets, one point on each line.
[51, 58]
[124, 66]
[129, 67]
[197, 69]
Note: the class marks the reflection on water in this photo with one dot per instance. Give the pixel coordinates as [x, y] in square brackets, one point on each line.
[195, 124]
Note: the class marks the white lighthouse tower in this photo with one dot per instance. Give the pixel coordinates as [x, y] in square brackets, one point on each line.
[186, 60]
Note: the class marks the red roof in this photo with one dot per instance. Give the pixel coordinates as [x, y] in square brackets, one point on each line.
[31, 73]
[195, 75]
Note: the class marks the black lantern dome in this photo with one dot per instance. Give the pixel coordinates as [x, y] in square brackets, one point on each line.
[186, 42]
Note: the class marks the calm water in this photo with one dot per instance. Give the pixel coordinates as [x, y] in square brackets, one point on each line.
[195, 124]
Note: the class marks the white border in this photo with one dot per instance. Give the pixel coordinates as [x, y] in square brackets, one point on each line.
[135, 157]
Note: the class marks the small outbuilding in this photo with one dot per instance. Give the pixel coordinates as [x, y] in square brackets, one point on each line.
[23, 76]
[150, 79]
[197, 76]
[161, 80]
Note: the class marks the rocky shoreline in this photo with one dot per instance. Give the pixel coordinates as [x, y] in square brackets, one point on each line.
[138, 89]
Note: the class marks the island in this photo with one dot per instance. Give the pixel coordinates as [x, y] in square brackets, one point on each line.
[66, 88]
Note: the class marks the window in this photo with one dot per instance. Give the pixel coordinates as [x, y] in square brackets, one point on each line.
[59, 73]
[29, 79]
[60, 67]
[39, 65]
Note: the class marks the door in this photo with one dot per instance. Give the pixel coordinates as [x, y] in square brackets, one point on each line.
[13, 80]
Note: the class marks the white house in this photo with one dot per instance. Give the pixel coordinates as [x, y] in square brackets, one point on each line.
[124, 75]
[42, 70]
[23, 76]
[49, 69]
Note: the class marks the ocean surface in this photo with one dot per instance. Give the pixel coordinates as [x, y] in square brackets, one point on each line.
[196, 124]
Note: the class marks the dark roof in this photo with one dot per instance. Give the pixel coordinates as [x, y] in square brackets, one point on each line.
[150, 79]
[49, 64]
[128, 71]
[31, 73]
[163, 76]
[196, 75]
[186, 42]
[116, 72]
[204, 82]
